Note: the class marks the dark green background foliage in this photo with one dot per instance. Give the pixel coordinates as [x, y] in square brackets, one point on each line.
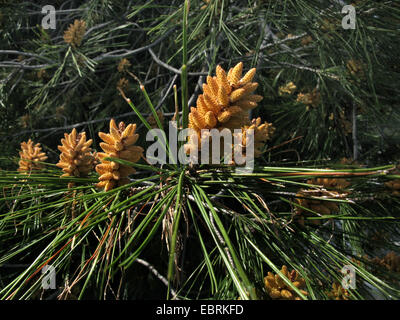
[47, 88]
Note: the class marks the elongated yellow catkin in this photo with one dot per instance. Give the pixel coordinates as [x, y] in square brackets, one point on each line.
[201, 105]
[119, 143]
[248, 77]
[210, 119]
[236, 74]
[30, 155]
[212, 103]
[212, 84]
[222, 79]
[223, 98]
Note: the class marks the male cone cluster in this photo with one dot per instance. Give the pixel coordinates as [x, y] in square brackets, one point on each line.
[310, 99]
[225, 103]
[118, 143]
[30, 155]
[278, 289]
[225, 100]
[288, 88]
[76, 159]
[75, 33]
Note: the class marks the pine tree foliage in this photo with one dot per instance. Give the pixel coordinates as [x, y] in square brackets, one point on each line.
[324, 192]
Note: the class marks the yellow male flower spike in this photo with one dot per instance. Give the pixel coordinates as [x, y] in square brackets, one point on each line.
[76, 159]
[30, 155]
[225, 97]
[278, 289]
[119, 143]
[74, 34]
